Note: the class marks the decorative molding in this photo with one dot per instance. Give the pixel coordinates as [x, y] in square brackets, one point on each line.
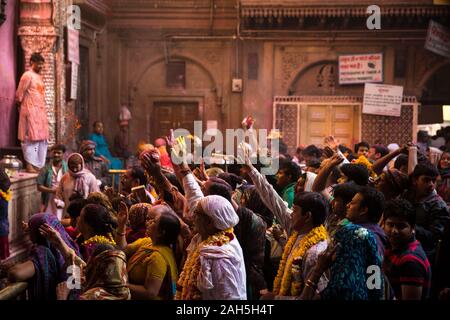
[37, 38]
[339, 99]
[265, 11]
[301, 17]
[291, 62]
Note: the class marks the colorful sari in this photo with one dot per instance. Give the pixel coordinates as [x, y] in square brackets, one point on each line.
[106, 276]
[147, 256]
[49, 264]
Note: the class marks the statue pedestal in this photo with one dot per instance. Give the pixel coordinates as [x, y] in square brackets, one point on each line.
[25, 201]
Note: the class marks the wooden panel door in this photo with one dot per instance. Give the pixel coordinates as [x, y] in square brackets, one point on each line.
[173, 115]
[342, 124]
[318, 121]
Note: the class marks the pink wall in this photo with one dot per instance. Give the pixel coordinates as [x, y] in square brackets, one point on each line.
[8, 116]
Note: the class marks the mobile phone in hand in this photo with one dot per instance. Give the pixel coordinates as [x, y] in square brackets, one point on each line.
[139, 193]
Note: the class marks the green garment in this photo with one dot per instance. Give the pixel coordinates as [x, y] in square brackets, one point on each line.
[288, 194]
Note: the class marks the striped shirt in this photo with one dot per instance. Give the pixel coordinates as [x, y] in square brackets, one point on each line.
[408, 266]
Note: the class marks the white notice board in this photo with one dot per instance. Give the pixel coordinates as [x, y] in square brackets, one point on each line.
[382, 99]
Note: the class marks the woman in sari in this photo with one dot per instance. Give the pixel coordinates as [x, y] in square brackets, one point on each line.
[152, 266]
[102, 148]
[77, 180]
[103, 274]
[46, 266]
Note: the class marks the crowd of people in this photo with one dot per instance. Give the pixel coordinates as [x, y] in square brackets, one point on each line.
[367, 223]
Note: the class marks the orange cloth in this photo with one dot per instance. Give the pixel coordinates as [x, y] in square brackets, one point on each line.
[33, 122]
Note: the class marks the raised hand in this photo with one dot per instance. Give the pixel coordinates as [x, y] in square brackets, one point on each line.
[244, 155]
[51, 234]
[122, 215]
[180, 150]
[328, 152]
[405, 148]
[151, 160]
[170, 142]
[335, 160]
[25, 227]
[202, 170]
[331, 142]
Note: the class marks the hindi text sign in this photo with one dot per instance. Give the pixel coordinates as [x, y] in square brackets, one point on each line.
[382, 99]
[360, 68]
[438, 39]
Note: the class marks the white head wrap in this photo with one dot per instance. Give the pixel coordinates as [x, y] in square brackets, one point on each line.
[220, 211]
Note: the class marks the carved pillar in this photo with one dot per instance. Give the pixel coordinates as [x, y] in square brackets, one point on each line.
[38, 33]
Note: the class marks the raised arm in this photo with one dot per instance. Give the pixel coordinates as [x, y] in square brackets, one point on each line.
[268, 194]
[412, 158]
[192, 190]
[122, 219]
[55, 238]
[379, 165]
[320, 183]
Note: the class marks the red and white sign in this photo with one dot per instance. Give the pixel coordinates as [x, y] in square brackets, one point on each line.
[73, 45]
[74, 81]
[438, 39]
[383, 99]
[360, 68]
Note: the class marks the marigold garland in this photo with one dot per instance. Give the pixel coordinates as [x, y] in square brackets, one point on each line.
[100, 239]
[5, 195]
[365, 162]
[284, 284]
[187, 282]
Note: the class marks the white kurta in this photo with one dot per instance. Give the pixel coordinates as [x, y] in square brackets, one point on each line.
[222, 274]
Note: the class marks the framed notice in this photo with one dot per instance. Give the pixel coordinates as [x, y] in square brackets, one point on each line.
[382, 99]
[360, 68]
[74, 81]
[73, 45]
[438, 39]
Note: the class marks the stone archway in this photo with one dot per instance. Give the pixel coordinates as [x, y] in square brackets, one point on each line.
[321, 78]
[199, 99]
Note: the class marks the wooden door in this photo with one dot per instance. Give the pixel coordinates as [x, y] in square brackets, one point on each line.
[173, 115]
[318, 121]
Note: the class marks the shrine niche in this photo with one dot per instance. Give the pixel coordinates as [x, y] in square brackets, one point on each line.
[321, 78]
